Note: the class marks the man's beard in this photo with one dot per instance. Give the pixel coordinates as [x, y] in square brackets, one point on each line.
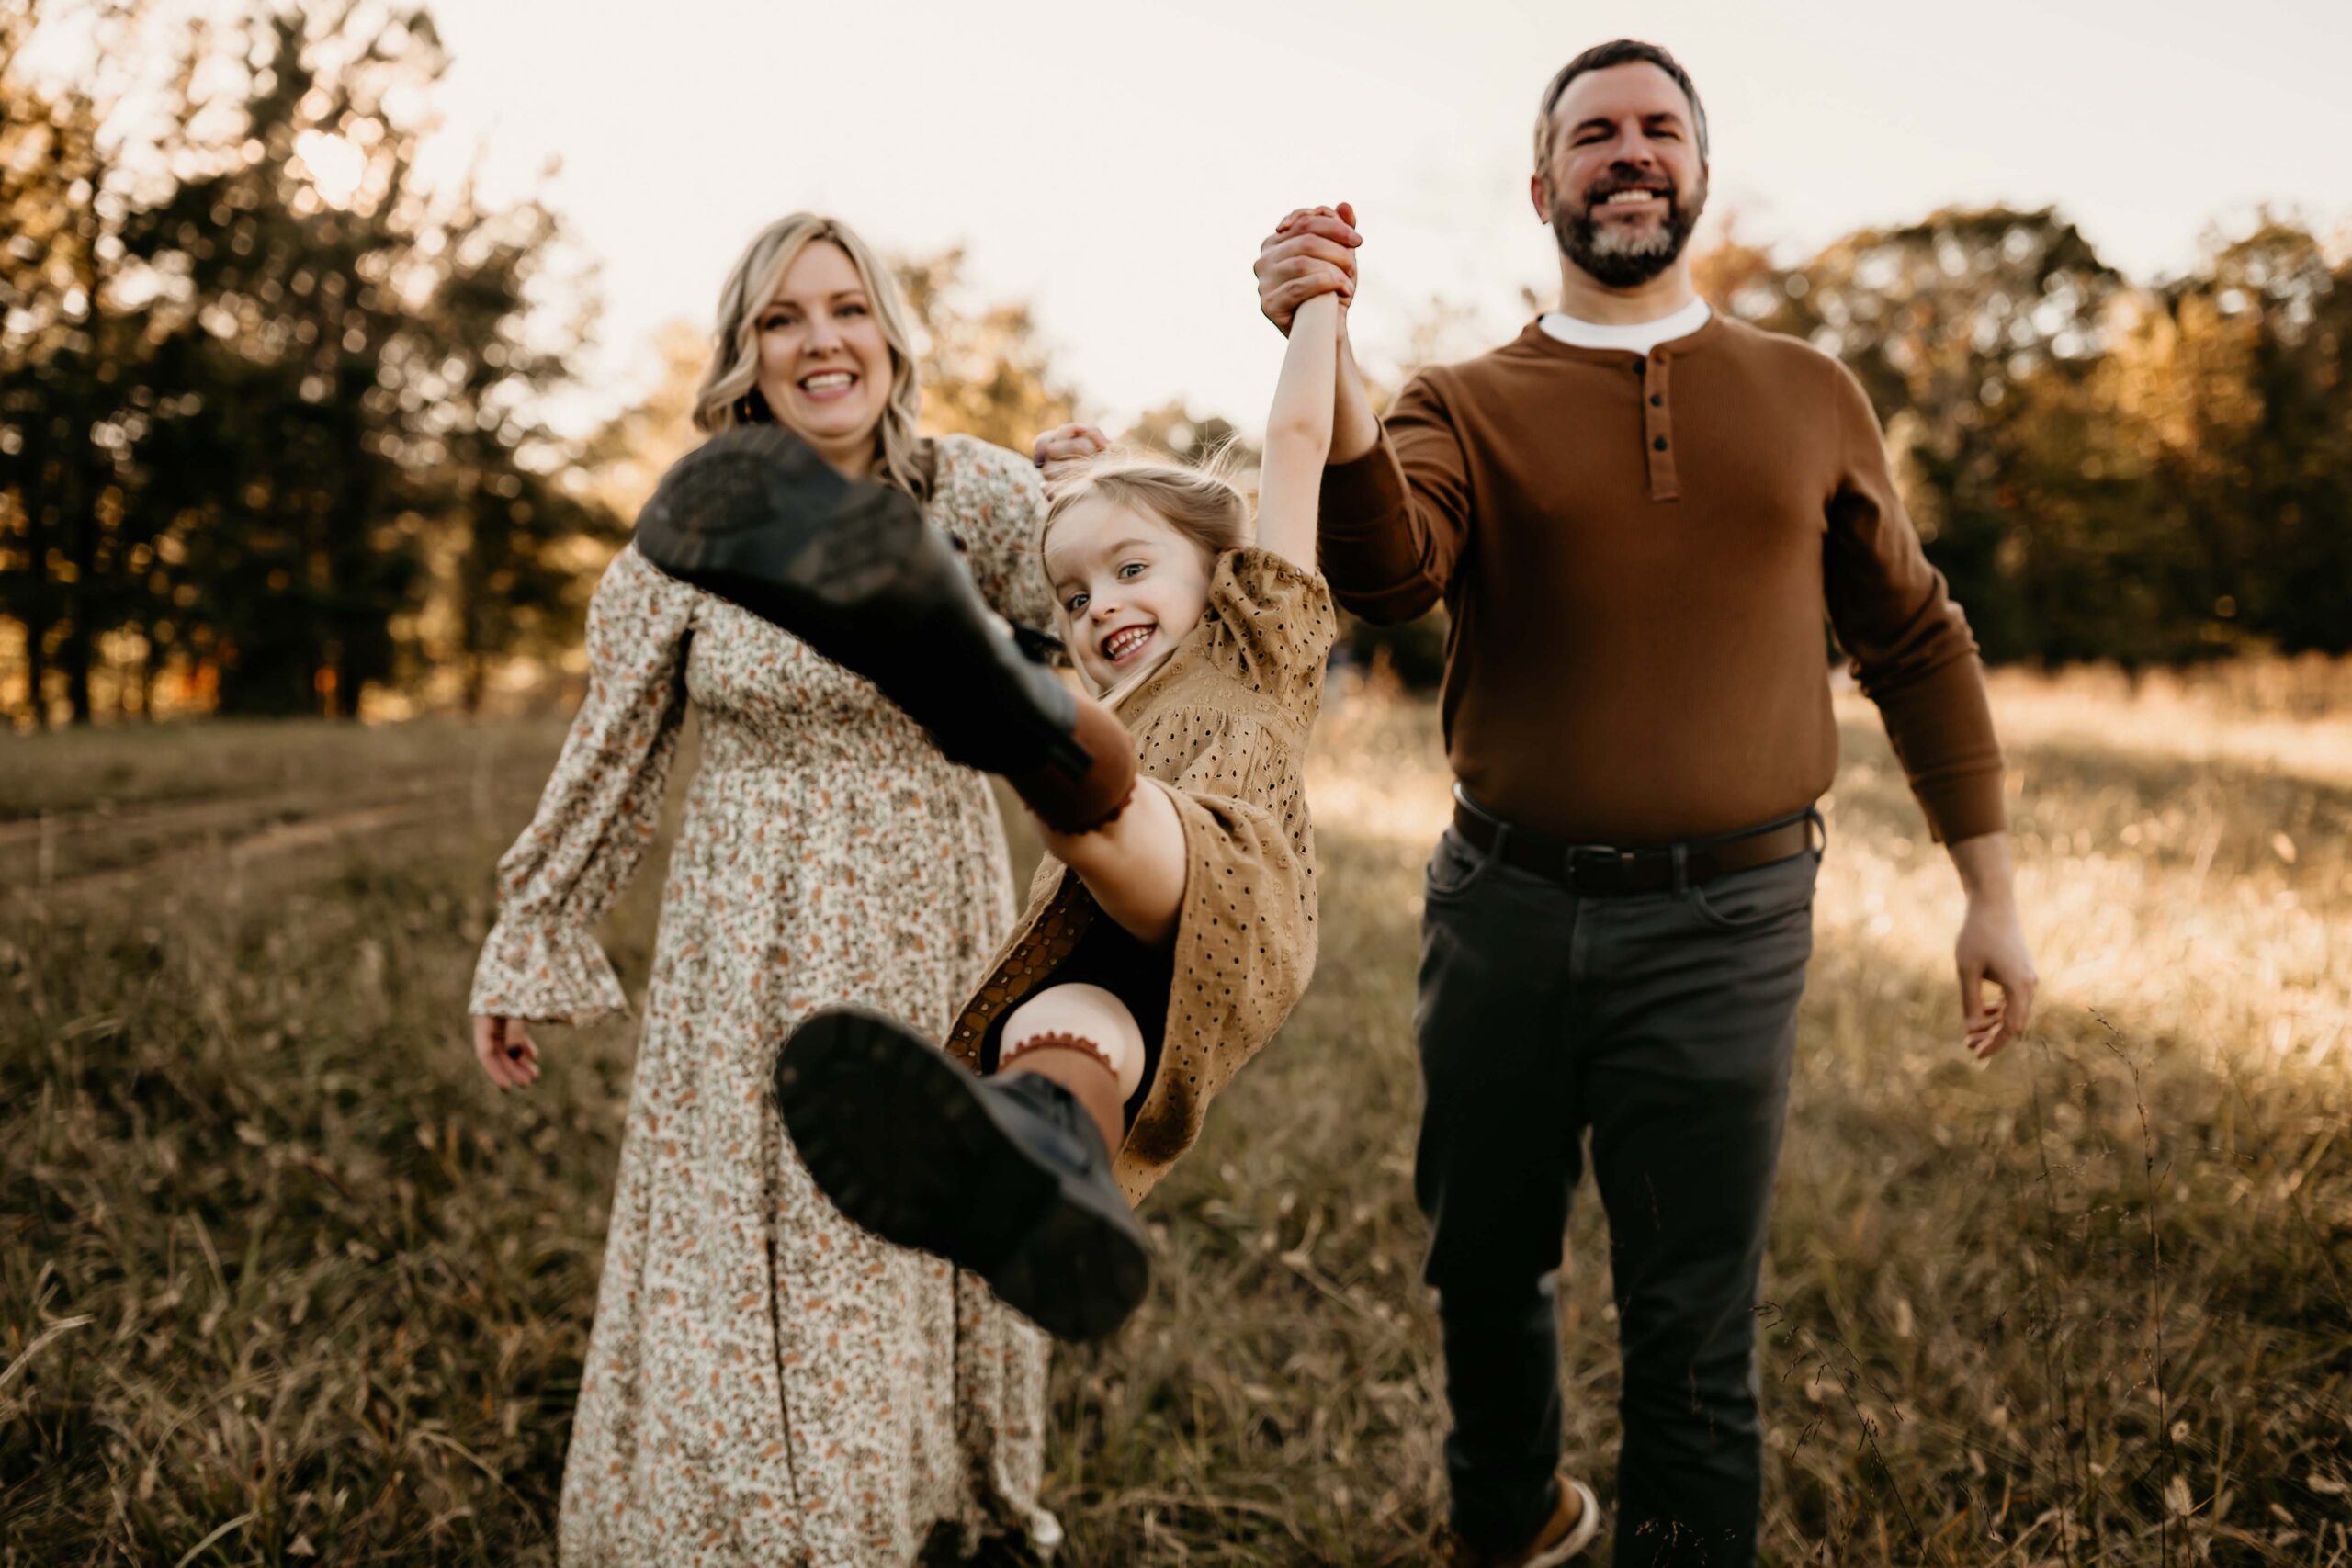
[1619, 257]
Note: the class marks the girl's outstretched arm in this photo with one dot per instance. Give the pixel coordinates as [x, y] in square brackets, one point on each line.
[1134, 864]
[1298, 433]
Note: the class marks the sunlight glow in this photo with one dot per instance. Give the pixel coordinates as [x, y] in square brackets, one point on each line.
[334, 165]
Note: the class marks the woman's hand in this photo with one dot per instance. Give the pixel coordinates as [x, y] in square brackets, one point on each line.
[1066, 444]
[1311, 252]
[503, 1048]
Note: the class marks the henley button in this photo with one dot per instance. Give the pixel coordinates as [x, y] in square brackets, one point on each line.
[1660, 444]
[1656, 402]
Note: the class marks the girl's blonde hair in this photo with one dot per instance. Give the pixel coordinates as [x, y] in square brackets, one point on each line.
[1203, 505]
[730, 395]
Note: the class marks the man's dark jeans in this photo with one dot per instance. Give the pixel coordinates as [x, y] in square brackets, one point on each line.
[1664, 1022]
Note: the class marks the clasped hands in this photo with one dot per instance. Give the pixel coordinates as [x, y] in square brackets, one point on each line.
[1312, 251]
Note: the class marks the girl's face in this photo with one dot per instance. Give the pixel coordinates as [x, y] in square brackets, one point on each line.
[824, 366]
[1128, 586]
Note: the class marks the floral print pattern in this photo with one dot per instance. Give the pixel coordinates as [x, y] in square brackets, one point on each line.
[765, 1383]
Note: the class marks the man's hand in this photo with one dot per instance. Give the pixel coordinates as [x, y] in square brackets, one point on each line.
[1311, 252]
[1991, 948]
[1066, 444]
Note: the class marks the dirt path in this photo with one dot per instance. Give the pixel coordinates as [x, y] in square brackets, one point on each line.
[209, 839]
[165, 818]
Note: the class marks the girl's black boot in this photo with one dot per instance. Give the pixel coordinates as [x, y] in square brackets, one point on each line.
[852, 570]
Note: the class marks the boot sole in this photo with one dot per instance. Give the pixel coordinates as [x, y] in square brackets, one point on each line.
[755, 517]
[774, 530]
[904, 1143]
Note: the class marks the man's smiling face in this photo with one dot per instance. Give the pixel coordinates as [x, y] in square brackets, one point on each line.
[1624, 184]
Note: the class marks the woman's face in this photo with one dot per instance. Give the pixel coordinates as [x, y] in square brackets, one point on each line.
[824, 368]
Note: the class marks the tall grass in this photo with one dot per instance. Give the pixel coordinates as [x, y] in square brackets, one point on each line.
[281, 1279]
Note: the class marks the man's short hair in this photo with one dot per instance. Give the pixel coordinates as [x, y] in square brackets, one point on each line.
[1600, 57]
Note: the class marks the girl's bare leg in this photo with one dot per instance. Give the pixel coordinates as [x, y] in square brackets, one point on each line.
[1084, 1039]
[993, 1174]
[1134, 864]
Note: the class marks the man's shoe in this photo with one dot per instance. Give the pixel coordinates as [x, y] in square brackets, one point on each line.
[1574, 1525]
[1004, 1176]
[852, 570]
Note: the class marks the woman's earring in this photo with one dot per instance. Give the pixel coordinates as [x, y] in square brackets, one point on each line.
[752, 408]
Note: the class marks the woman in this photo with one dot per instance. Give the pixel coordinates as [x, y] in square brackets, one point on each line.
[766, 1384]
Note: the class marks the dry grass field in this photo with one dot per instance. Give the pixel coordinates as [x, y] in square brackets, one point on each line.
[282, 1280]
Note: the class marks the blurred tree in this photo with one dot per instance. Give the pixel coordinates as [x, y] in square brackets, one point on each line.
[327, 378]
[1727, 265]
[1945, 322]
[517, 520]
[75, 345]
[1173, 431]
[2238, 381]
[289, 230]
[627, 456]
[985, 371]
[2094, 557]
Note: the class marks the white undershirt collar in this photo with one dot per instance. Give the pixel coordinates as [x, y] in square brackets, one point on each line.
[1638, 338]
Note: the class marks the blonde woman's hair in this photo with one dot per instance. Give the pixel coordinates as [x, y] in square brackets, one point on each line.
[729, 394]
[1203, 505]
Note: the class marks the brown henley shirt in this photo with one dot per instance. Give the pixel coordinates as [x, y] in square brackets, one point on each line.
[1637, 553]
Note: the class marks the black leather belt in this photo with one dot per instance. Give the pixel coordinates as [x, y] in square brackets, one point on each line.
[1651, 868]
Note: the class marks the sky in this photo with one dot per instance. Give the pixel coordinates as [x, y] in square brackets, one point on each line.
[1116, 164]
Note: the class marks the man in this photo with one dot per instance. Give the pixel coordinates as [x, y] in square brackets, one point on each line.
[1637, 514]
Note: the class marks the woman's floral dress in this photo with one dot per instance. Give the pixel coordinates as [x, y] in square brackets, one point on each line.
[765, 1383]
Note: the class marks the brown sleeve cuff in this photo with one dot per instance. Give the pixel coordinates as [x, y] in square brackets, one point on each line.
[1963, 808]
[1364, 539]
[1363, 495]
[1941, 727]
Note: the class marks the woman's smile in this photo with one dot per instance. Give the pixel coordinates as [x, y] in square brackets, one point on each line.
[828, 385]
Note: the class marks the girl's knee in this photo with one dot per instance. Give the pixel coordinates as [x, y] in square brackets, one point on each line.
[1090, 1012]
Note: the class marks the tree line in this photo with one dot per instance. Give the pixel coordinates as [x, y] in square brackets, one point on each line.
[2104, 471]
[267, 405]
[271, 427]
[270, 404]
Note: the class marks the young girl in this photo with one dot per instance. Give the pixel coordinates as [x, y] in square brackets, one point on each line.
[1171, 928]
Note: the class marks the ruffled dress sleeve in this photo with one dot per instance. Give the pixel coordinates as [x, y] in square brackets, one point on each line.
[1270, 625]
[600, 809]
[993, 503]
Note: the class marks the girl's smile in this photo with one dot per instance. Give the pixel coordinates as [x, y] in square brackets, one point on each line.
[1127, 642]
[1125, 585]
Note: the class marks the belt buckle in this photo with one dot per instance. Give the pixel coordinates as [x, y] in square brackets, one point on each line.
[1596, 868]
